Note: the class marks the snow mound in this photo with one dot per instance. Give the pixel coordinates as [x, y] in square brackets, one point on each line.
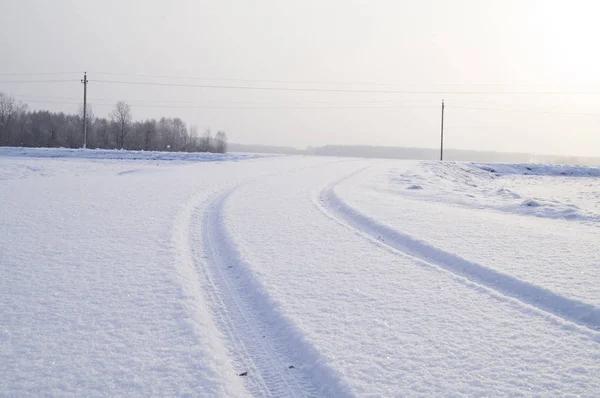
[531, 203]
[508, 193]
[539, 190]
[124, 154]
[548, 209]
[538, 296]
[550, 170]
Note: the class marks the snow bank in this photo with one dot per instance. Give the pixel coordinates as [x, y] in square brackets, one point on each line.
[124, 155]
[557, 252]
[540, 190]
[537, 296]
[550, 170]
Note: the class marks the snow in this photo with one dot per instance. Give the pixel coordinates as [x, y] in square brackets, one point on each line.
[393, 324]
[577, 311]
[547, 191]
[91, 288]
[555, 253]
[162, 274]
[122, 154]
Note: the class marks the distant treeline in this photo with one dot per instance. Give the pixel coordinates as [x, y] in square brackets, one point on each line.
[449, 154]
[367, 151]
[21, 127]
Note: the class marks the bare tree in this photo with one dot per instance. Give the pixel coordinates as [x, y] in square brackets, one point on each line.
[166, 132]
[102, 130]
[9, 108]
[149, 131]
[206, 142]
[221, 142]
[193, 141]
[121, 117]
[73, 135]
[21, 127]
[180, 134]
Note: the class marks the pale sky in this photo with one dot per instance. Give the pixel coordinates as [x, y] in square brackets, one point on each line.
[441, 47]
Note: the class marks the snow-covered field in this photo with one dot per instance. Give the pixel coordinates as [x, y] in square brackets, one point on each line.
[161, 274]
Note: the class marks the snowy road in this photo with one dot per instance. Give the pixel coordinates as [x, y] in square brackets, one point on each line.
[293, 276]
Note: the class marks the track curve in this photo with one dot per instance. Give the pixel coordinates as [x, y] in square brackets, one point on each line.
[580, 313]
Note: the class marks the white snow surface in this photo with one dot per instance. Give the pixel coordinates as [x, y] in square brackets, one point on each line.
[170, 275]
[123, 155]
[547, 191]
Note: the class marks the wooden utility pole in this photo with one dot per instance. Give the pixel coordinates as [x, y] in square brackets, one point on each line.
[85, 82]
[442, 134]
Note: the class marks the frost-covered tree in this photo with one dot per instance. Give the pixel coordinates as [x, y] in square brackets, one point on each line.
[121, 118]
[10, 110]
[221, 142]
[206, 142]
[148, 133]
[21, 127]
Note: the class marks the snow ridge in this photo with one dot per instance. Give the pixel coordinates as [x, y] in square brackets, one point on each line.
[575, 311]
[552, 170]
[263, 342]
[546, 191]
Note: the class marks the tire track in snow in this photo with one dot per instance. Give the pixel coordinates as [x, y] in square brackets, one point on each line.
[253, 353]
[261, 341]
[580, 313]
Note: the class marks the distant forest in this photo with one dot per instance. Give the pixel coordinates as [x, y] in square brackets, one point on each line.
[21, 127]
[380, 152]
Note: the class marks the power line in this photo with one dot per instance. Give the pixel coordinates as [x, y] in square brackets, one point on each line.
[341, 90]
[39, 74]
[240, 107]
[58, 102]
[135, 101]
[333, 90]
[38, 81]
[307, 105]
[280, 102]
[20, 96]
[234, 79]
[278, 105]
[525, 111]
[294, 82]
[283, 107]
[332, 103]
[312, 82]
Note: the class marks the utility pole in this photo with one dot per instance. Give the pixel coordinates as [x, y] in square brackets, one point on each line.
[442, 134]
[85, 82]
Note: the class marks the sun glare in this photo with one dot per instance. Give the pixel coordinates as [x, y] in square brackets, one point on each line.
[570, 34]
